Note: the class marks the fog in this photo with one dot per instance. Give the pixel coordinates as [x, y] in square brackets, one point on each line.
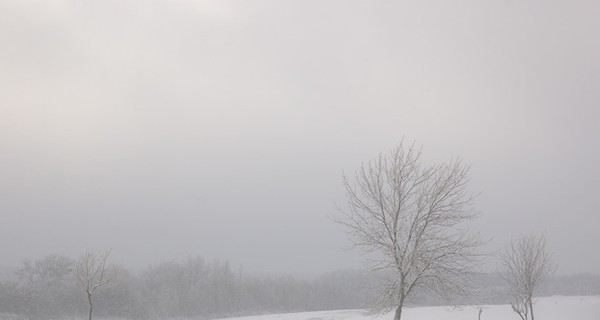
[163, 129]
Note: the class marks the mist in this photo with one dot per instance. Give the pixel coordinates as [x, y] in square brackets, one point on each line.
[164, 129]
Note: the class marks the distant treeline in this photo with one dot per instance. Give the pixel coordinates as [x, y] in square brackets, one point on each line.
[197, 289]
[191, 289]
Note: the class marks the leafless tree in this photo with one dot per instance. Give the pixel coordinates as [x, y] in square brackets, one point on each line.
[50, 267]
[413, 217]
[526, 265]
[92, 272]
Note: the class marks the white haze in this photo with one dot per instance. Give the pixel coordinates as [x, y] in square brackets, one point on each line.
[221, 128]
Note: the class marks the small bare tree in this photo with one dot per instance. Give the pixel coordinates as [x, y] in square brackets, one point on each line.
[92, 272]
[413, 216]
[526, 265]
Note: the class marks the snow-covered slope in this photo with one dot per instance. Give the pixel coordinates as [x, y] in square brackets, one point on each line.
[548, 308]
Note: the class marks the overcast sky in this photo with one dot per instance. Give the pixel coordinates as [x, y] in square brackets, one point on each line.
[163, 129]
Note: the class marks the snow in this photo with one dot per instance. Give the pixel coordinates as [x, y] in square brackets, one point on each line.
[547, 308]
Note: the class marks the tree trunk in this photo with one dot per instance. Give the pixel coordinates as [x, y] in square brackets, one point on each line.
[531, 308]
[91, 304]
[398, 313]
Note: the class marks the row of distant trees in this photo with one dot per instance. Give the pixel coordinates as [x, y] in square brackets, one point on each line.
[48, 288]
[56, 287]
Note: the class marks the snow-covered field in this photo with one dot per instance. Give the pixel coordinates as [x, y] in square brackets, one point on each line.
[548, 308]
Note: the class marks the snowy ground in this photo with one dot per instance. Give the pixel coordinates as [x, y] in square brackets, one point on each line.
[548, 308]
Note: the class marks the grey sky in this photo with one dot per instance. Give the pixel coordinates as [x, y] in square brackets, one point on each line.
[167, 128]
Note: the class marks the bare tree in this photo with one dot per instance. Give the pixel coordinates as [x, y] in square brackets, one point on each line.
[413, 217]
[92, 272]
[526, 265]
[50, 267]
